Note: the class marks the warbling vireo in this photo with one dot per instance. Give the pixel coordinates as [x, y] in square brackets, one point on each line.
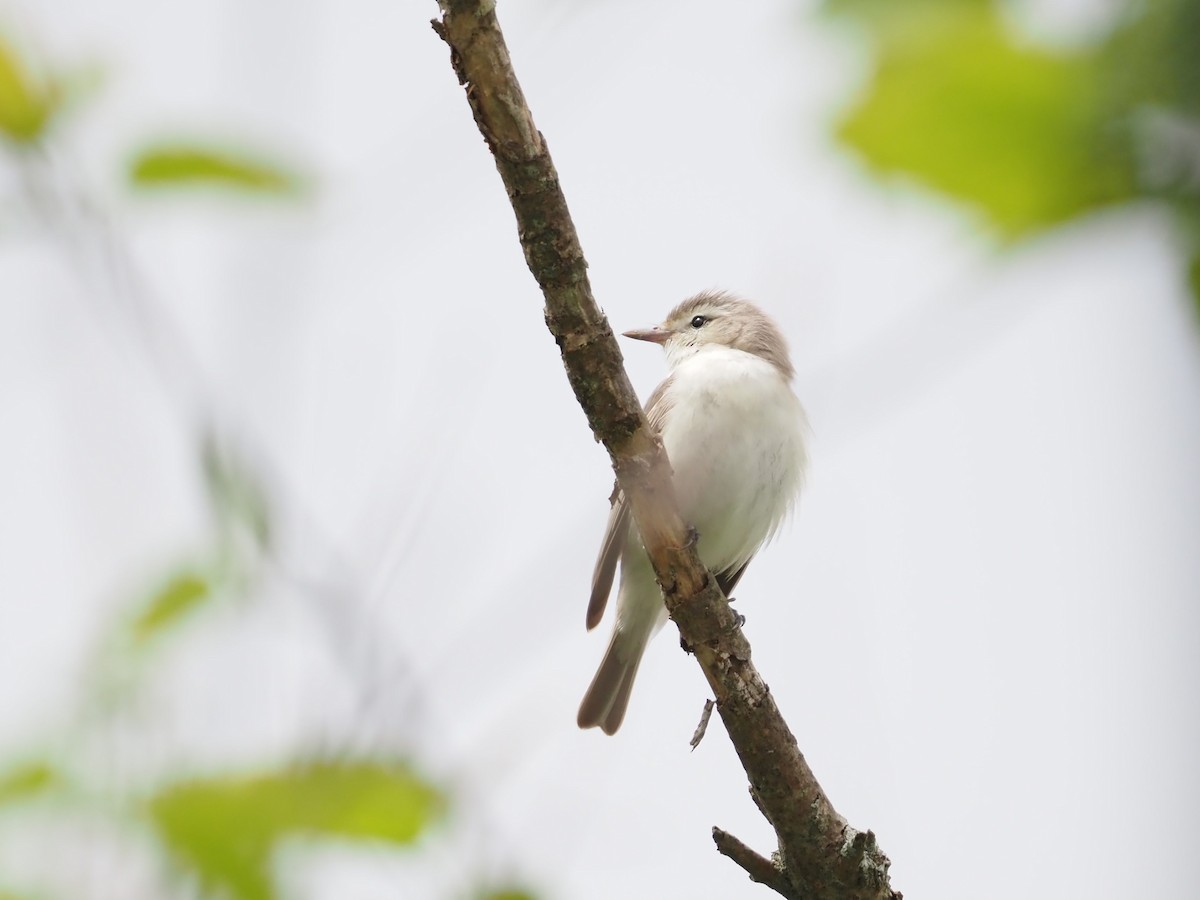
[734, 432]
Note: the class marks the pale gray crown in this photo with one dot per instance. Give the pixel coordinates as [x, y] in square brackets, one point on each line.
[731, 322]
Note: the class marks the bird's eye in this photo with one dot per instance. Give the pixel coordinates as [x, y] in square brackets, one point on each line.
[698, 321]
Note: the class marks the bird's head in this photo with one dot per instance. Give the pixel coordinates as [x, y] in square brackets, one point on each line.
[718, 319]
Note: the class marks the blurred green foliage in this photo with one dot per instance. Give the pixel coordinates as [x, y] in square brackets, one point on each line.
[27, 781]
[180, 164]
[1014, 129]
[27, 103]
[241, 536]
[1032, 135]
[221, 830]
[31, 99]
[1153, 58]
[182, 592]
[225, 829]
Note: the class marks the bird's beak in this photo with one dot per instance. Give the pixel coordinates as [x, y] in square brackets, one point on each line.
[655, 334]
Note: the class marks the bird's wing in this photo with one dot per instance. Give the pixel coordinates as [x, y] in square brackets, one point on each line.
[606, 563]
[610, 552]
[659, 405]
[618, 522]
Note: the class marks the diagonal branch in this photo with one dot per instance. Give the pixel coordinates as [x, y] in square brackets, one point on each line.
[820, 856]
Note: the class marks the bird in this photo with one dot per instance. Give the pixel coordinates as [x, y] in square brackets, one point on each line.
[735, 434]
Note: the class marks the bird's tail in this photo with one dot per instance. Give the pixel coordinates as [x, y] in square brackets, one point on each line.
[607, 698]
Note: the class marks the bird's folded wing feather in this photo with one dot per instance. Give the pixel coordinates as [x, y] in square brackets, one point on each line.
[729, 578]
[657, 408]
[606, 563]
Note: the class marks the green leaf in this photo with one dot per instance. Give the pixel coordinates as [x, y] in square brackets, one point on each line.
[182, 593]
[174, 165]
[25, 105]
[958, 103]
[224, 829]
[28, 781]
[507, 894]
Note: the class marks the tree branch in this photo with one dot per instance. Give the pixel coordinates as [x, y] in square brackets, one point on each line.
[820, 856]
[758, 867]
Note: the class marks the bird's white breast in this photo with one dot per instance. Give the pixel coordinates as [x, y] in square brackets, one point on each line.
[735, 436]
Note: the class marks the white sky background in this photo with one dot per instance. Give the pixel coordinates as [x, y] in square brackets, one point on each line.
[982, 624]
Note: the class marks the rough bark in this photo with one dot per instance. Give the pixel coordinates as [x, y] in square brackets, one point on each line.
[820, 857]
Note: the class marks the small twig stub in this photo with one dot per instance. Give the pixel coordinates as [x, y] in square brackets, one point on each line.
[698, 734]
